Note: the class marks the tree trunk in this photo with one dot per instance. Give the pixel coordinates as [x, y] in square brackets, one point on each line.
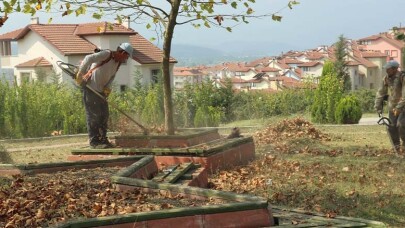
[167, 44]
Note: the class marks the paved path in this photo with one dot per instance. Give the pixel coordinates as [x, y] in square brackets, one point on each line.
[368, 121]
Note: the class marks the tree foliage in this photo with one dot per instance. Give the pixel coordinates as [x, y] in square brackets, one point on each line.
[327, 95]
[340, 63]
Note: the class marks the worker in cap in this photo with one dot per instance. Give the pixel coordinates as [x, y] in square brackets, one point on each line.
[97, 71]
[393, 90]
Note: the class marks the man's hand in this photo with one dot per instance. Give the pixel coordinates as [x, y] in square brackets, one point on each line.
[396, 111]
[379, 112]
[106, 91]
[79, 79]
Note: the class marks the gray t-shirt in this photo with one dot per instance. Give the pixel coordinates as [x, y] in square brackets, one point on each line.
[103, 76]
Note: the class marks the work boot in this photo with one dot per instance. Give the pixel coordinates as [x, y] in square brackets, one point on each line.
[107, 142]
[96, 144]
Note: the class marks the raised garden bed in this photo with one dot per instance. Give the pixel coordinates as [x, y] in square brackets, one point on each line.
[215, 155]
[183, 138]
[165, 201]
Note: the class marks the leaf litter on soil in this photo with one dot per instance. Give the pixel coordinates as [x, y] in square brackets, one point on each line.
[296, 167]
[47, 199]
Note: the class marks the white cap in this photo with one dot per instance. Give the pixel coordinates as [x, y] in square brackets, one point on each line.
[391, 64]
[127, 48]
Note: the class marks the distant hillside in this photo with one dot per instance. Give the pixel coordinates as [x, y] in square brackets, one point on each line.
[191, 55]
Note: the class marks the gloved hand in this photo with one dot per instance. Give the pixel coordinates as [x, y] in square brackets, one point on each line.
[396, 111]
[79, 79]
[106, 91]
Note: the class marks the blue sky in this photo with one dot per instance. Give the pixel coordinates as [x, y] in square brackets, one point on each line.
[309, 24]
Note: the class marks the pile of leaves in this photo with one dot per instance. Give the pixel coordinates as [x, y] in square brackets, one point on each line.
[286, 182]
[47, 199]
[289, 129]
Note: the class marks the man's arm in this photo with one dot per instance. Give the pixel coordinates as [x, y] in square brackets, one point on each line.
[379, 98]
[401, 104]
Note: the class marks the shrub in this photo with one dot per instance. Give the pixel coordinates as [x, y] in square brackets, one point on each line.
[348, 110]
[366, 99]
[207, 116]
[327, 95]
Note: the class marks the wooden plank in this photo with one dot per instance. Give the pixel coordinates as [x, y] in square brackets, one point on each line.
[180, 171]
[160, 177]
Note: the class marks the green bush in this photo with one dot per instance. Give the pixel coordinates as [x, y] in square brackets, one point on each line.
[208, 117]
[348, 110]
[327, 95]
[366, 99]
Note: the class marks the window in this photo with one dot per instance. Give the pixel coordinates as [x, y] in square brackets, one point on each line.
[25, 77]
[155, 75]
[394, 53]
[365, 42]
[123, 88]
[305, 69]
[387, 52]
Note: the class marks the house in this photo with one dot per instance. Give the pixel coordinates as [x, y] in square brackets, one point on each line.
[40, 46]
[311, 70]
[188, 75]
[384, 43]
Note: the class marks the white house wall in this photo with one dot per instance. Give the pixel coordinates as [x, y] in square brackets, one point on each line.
[33, 46]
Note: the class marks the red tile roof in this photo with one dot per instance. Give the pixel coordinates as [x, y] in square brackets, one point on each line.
[67, 38]
[63, 37]
[386, 37]
[288, 82]
[145, 52]
[13, 35]
[102, 28]
[352, 63]
[268, 69]
[290, 61]
[309, 64]
[236, 80]
[37, 62]
[187, 71]
[314, 56]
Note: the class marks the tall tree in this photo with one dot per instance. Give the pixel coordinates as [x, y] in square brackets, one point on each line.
[340, 62]
[163, 15]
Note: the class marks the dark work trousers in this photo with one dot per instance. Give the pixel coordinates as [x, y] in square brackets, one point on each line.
[96, 116]
[397, 129]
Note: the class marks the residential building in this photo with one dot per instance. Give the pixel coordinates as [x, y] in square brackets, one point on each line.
[40, 46]
[384, 43]
[188, 75]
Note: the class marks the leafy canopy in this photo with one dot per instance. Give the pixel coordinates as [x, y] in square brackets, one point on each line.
[205, 13]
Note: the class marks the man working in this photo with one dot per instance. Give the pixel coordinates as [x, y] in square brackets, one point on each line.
[393, 86]
[97, 71]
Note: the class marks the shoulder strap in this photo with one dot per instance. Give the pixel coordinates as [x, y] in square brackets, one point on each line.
[401, 77]
[87, 76]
